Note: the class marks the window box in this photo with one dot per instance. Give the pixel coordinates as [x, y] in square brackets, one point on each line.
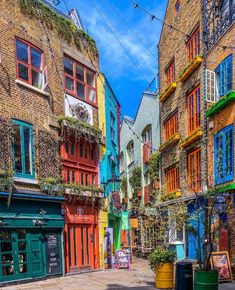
[170, 142]
[190, 68]
[223, 102]
[190, 139]
[172, 195]
[168, 91]
[88, 191]
[222, 189]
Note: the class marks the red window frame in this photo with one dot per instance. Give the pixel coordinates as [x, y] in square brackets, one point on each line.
[171, 126]
[193, 108]
[170, 73]
[87, 178]
[75, 80]
[28, 65]
[193, 45]
[194, 169]
[172, 179]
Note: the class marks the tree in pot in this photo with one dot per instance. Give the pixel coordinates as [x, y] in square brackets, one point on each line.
[161, 261]
[210, 215]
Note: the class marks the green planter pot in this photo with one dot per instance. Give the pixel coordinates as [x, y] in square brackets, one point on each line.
[206, 280]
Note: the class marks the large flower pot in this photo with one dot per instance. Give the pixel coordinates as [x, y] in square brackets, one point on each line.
[164, 276]
[206, 280]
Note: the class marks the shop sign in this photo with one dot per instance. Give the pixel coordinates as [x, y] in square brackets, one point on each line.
[52, 253]
[80, 211]
[220, 204]
[134, 223]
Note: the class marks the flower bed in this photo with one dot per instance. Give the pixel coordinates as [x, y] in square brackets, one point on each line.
[190, 139]
[170, 142]
[223, 102]
[168, 91]
[190, 68]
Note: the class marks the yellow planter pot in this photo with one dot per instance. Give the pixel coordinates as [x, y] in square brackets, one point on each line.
[164, 276]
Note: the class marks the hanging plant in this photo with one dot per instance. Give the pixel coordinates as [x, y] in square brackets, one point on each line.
[51, 186]
[123, 186]
[64, 27]
[6, 181]
[73, 127]
[77, 189]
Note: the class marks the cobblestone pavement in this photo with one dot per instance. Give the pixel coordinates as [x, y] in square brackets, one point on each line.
[139, 277]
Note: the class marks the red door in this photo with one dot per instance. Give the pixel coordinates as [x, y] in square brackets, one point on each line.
[80, 247]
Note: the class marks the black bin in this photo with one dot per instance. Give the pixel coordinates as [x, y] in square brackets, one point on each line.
[184, 276]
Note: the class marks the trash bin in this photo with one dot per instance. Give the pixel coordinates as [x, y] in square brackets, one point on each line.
[184, 276]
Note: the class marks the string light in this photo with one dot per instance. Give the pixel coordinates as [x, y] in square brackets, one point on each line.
[153, 17]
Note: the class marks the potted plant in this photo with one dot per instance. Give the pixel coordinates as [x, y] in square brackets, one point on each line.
[204, 224]
[161, 261]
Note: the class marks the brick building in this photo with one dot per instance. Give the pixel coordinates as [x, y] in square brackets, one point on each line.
[196, 108]
[48, 69]
[220, 96]
[181, 108]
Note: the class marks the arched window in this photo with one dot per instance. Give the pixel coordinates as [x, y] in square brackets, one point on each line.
[130, 152]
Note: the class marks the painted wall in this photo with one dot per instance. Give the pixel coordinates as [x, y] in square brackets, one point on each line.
[147, 114]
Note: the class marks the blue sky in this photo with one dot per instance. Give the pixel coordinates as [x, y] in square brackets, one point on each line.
[126, 78]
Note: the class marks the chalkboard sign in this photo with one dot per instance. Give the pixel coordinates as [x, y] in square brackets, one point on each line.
[128, 250]
[52, 253]
[122, 259]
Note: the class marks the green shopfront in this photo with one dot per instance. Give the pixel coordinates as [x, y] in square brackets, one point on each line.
[30, 237]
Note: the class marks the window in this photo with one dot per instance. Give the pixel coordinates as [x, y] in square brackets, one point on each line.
[177, 6]
[30, 65]
[147, 146]
[224, 76]
[193, 45]
[23, 149]
[171, 127]
[170, 73]
[194, 170]
[224, 155]
[130, 152]
[80, 81]
[112, 127]
[172, 179]
[193, 106]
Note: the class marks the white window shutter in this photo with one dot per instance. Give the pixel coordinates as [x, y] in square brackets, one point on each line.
[210, 83]
[43, 82]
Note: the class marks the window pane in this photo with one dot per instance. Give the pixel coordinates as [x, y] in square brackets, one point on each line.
[90, 79]
[27, 151]
[36, 79]
[36, 58]
[79, 72]
[69, 83]
[23, 72]
[68, 66]
[92, 95]
[17, 149]
[22, 51]
[80, 90]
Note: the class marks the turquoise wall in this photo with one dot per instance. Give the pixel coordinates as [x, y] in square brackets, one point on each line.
[109, 165]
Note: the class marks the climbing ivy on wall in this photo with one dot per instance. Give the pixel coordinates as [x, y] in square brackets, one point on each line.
[64, 27]
[5, 145]
[124, 186]
[154, 167]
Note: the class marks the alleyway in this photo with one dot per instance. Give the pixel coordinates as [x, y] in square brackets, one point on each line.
[139, 277]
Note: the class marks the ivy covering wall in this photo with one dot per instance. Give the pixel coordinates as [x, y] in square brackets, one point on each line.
[63, 26]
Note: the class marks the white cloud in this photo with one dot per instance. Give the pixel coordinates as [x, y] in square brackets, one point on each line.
[113, 57]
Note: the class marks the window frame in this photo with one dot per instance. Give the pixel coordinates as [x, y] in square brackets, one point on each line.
[228, 177]
[170, 73]
[220, 90]
[169, 174]
[193, 110]
[112, 127]
[28, 65]
[171, 126]
[22, 125]
[195, 182]
[75, 80]
[193, 45]
[130, 160]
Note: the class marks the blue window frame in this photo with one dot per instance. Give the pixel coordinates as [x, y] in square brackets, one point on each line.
[23, 152]
[224, 155]
[224, 76]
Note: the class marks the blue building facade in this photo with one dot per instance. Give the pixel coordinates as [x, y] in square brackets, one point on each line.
[109, 164]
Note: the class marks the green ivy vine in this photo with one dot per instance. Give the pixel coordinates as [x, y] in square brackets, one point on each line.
[64, 27]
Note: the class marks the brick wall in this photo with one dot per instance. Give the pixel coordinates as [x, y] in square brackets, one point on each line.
[172, 45]
[20, 102]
